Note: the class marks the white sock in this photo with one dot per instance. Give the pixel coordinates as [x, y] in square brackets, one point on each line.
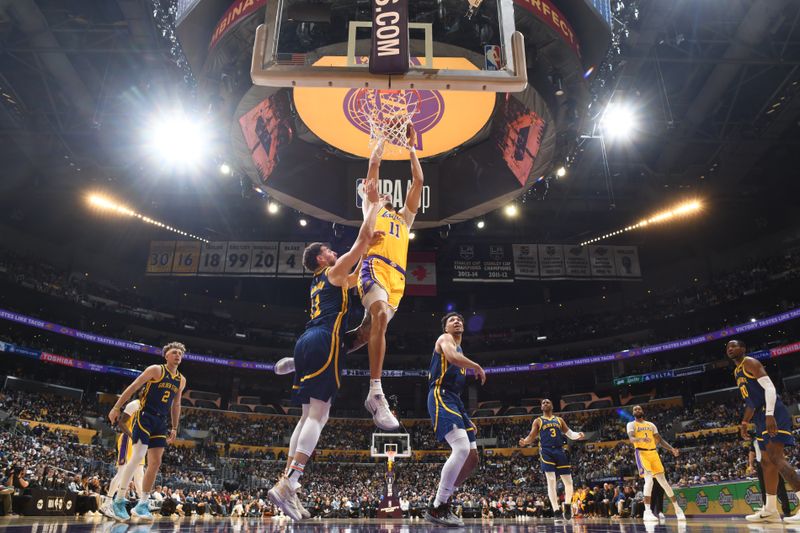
[552, 490]
[459, 442]
[647, 507]
[772, 503]
[375, 387]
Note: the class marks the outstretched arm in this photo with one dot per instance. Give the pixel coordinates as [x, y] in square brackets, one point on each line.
[447, 346]
[535, 427]
[418, 181]
[665, 444]
[338, 273]
[373, 174]
[572, 435]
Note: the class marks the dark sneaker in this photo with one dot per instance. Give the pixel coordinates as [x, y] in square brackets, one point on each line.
[442, 515]
[567, 511]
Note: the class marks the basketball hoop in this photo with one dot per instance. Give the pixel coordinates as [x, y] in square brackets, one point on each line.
[389, 114]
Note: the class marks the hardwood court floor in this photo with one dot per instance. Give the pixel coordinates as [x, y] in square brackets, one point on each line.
[30, 524]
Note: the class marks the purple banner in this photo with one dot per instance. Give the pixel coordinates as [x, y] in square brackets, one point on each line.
[128, 345]
[533, 367]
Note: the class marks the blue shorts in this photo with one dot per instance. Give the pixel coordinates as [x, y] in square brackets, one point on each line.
[784, 421]
[150, 429]
[448, 414]
[316, 366]
[554, 460]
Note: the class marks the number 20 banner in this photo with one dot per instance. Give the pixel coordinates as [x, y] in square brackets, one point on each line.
[234, 258]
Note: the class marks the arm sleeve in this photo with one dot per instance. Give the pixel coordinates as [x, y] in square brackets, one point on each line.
[572, 435]
[769, 395]
[629, 427]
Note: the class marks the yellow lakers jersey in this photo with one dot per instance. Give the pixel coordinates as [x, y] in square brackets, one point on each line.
[393, 246]
[643, 430]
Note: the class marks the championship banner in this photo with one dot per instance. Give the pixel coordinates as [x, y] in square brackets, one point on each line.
[421, 274]
[626, 260]
[551, 260]
[601, 259]
[484, 263]
[526, 261]
[576, 262]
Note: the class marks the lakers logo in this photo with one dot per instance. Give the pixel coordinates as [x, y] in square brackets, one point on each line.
[443, 120]
[426, 108]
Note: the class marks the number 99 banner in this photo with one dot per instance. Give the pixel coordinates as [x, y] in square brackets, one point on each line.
[239, 258]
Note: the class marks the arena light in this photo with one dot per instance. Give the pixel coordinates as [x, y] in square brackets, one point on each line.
[272, 208]
[561, 172]
[511, 210]
[412, 235]
[618, 121]
[481, 224]
[303, 222]
[680, 210]
[225, 169]
[104, 203]
[178, 141]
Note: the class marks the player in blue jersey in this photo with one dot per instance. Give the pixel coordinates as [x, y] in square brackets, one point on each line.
[316, 354]
[552, 431]
[446, 379]
[773, 428]
[155, 424]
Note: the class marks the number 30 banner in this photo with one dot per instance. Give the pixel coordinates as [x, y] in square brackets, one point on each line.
[235, 258]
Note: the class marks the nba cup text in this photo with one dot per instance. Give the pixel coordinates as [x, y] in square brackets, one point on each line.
[396, 190]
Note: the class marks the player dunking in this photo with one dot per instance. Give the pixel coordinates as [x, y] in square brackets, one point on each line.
[316, 355]
[124, 453]
[383, 276]
[161, 398]
[446, 378]
[645, 437]
[551, 431]
[773, 428]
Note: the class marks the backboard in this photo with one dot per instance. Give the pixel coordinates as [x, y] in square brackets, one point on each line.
[310, 43]
[394, 444]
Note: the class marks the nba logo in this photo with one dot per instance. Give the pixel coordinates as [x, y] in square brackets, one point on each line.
[494, 57]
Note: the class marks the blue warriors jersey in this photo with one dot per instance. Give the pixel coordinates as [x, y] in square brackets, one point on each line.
[157, 395]
[751, 390]
[329, 304]
[444, 378]
[550, 434]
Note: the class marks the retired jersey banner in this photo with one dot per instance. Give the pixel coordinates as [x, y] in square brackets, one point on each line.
[484, 263]
[421, 274]
[235, 258]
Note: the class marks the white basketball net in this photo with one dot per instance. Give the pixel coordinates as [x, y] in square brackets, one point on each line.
[389, 115]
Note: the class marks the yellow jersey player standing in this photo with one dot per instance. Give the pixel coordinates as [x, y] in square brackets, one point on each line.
[155, 424]
[124, 453]
[383, 277]
[645, 437]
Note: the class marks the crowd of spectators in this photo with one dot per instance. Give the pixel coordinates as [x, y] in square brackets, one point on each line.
[90, 294]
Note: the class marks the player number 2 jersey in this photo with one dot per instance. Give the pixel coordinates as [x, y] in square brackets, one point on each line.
[158, 395]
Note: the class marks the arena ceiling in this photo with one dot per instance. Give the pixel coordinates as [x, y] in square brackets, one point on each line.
[715, 82]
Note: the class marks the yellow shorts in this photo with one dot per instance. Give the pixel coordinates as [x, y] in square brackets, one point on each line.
[648, 462]
[377, 270]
